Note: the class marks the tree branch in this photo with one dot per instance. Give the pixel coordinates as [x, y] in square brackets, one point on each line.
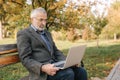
[17, 2]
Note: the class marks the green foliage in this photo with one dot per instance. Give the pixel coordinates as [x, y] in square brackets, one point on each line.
[113, 26]
[60, 16]
[70, 18]
[9, 13]
[98, 24]
[74, 17]
[14, 15]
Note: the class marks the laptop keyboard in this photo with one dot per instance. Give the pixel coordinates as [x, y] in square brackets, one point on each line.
[59, 64]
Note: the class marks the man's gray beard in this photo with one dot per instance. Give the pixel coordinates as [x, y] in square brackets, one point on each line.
[39, 28]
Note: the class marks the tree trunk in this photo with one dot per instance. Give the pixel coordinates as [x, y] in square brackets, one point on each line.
[115, 36]
[1, 30]
[15, 33]
[71, 34]
[97, 41]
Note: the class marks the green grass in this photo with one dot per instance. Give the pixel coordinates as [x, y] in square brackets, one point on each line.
[98, 61]
[7, 41]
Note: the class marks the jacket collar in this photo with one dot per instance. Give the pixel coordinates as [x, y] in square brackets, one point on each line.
[34, 33]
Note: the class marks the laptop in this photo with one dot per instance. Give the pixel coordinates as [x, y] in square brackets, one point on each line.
[75, 55]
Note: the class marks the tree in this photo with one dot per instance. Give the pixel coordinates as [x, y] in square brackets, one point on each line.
[0, 30]
[97, 19]
[114, 20]
[15, 13]
[88, 18]
[74, 17]
[98, 25]
[53, 8]
[70, 21]
[59, 16]
[7, 12]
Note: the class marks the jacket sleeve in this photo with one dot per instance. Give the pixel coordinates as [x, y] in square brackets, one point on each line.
[25, 52]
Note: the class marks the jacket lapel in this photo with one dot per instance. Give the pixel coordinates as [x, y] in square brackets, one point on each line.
[50, 41]
[37, 36]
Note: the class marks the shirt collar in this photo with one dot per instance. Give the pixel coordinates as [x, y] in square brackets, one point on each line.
[35, 28]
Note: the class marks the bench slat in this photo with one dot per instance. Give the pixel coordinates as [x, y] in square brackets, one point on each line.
[8, 48]
[115, 72]
[6, 60]
[8, 51]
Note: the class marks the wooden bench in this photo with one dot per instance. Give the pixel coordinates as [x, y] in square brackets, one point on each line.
[9, 55]
[115, 72]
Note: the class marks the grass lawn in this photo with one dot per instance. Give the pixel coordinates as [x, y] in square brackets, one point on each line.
[98, 61]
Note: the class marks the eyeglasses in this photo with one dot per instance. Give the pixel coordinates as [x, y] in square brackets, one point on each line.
[45, 20]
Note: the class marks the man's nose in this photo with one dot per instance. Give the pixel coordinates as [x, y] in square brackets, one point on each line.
[44, 22]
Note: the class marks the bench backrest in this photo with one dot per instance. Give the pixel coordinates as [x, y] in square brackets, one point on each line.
[8, 54]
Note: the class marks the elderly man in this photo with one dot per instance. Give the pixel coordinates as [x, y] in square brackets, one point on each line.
[37, 52]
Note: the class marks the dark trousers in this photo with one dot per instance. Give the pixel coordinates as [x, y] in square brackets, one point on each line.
[73, 73]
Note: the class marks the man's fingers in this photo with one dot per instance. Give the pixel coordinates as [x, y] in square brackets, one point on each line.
[53, 73]
[50, 69]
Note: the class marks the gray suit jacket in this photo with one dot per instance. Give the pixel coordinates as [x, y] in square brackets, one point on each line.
[33, 52]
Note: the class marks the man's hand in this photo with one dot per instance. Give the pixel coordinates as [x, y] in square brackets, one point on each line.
[49, 69]
[76, 65]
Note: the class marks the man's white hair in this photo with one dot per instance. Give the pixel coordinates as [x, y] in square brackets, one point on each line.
[36, 11]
